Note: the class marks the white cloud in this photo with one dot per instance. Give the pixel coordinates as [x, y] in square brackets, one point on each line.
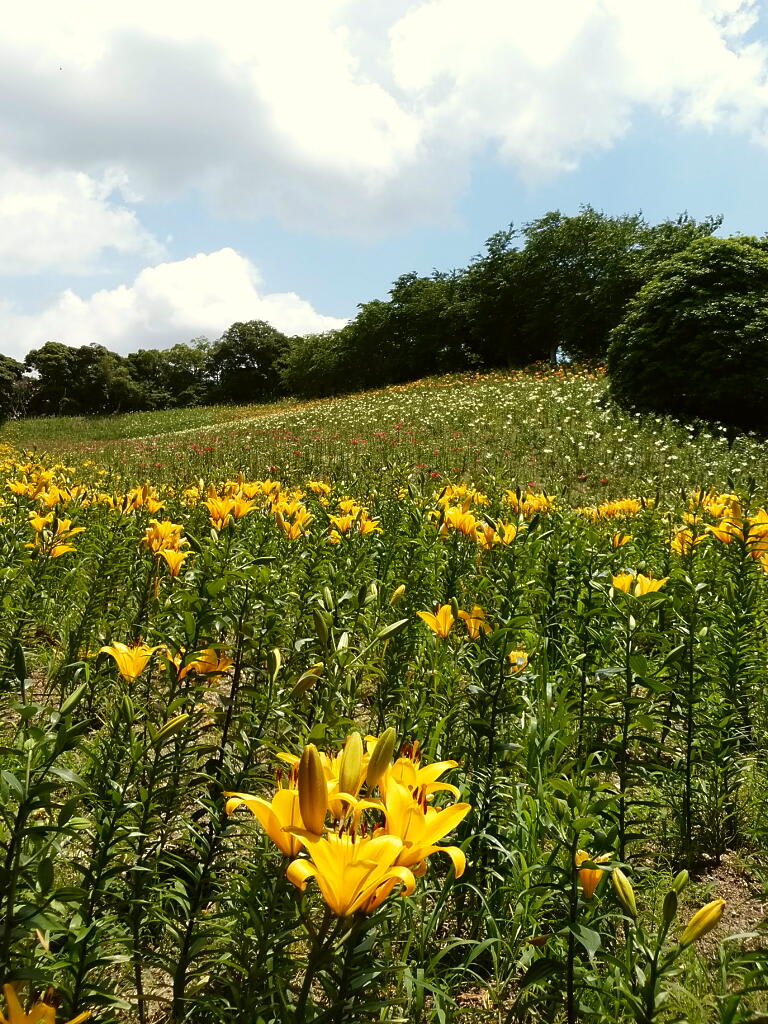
[165, 304]
[64, 219]
[355, 116]
[551, 81]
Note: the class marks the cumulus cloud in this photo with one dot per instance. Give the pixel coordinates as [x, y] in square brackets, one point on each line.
[548, 82]
[350, 116]
[165, 304]
[263, 108]
[354, 115]
[64, 220]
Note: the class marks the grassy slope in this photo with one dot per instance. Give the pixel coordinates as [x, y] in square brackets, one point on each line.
[540, 429]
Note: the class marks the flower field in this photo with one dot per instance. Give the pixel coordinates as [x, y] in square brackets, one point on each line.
[441, 703]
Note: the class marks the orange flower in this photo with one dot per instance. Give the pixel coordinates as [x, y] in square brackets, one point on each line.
[475, 621]
[441, 623]
[590, 878]
[517, 660]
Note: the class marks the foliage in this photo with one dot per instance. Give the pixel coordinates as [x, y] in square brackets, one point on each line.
[694, 342]
[583, 669]
[242, 365]
[10, 378]
[555, 287]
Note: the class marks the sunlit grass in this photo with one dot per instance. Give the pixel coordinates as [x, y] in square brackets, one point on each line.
[544, 429]
[497, 569]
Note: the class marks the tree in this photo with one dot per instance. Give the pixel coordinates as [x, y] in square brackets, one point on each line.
[52, 366]
[148, 368]
[317, 365]
[694, 341]
[486, 313]
[101, 382]
[11, 388]
[575, 276]
[243, 364]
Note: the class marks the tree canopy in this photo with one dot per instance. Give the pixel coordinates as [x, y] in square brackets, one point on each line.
[555, 286]
[694, 341]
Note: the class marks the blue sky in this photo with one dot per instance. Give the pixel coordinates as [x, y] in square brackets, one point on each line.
[168, 170]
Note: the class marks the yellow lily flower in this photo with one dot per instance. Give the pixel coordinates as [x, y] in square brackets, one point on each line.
[409, 772]
[462, 521]
[637, 585]
[420, 826]
[441, 623]
[163, 536]
[53, 543]
[367, 525]
[475, 622]
[130, 661]
[517, 660]
[505, 533]
[173, 559]
[142, 497]
[39, 523]
[623, 581]
[242, 506]
[618, 540]
[622, 507]
[275, 817]
[529, 503]
[60, 549]
[648, 585]
[590, 878]
[210, 663]
[342, 524]
[684, 542]
[53, 496]
[220, 510]
[319, 487]
[728, 530]
[42, 1012]
[349, 507]
[293, 524]
[353, 872]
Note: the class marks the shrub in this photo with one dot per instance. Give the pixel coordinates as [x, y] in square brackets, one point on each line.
[694, 340]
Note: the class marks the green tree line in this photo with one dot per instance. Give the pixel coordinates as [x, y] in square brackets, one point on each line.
[559, 284]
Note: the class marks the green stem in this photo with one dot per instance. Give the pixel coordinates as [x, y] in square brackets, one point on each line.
[316, 956]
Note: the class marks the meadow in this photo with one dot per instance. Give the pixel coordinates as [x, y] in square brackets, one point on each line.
[443, 703]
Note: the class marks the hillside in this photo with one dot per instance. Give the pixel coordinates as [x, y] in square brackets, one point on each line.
[549, 429]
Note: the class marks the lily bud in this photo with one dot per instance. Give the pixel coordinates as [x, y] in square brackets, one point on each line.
[454, 608]
[624, 892]
[669, 908]
[681, 880]
[703, 921]
[274, 662]
[170, 728]
[381, 757]
[321, 626]
[351, 763]
[397, 593]
[307, 679]
[313, 792]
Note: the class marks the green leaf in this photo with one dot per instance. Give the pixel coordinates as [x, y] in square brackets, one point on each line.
[539, 971]
[45, 874]
[586, 937]
[19, 662]
[392, 629]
